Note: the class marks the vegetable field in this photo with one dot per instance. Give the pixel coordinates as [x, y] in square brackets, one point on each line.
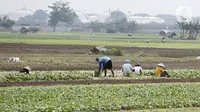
[48, 53]
[45, 76]
[39, 76]
[99, 98]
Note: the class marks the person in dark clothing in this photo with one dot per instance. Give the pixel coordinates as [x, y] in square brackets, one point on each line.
[26, 69]
[106, 62]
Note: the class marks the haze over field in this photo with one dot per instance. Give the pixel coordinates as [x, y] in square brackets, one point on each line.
[84, 53]
[152, 7]
[151, 14]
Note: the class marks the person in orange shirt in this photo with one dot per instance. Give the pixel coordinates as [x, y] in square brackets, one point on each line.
[160, 72]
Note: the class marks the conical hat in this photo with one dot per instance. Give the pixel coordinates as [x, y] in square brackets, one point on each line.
[161, 65]
[28, 68]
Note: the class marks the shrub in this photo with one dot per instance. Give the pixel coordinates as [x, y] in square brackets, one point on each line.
[130, 34]
[114, 51]
[24, 30]
[34, 29]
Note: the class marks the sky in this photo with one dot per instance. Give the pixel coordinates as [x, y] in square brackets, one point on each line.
[152, 7]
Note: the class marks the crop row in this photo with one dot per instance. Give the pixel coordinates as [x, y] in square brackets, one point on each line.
[183, 73]
[99, 97]
[45, 76]
[87, 75]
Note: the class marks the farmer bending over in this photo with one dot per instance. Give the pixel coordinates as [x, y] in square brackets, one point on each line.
[160, 71]
[106, 62]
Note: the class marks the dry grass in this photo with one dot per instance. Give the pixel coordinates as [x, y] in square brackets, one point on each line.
[76, 61]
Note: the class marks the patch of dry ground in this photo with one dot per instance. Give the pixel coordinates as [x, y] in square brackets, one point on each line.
[6, 48]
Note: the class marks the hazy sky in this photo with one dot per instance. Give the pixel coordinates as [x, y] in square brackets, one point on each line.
[152, 7]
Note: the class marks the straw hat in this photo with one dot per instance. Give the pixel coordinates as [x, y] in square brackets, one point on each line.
[28, 68]
[161, 65]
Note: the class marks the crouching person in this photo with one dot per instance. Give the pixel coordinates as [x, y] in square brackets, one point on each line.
[138, 69]
[106, 62]
[160, 72]
[26, 70]
[127, 68]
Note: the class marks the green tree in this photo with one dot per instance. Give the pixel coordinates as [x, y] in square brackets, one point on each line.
[116, 16]
[132, 26]
[24, 30]
[34, 29]
[192, 28]
[39, 17]
[121, 25]
[189, 29]
[125, 26]
[61, 12]
[6, 23]
[182, 26]
[196, 29]
[96, 26]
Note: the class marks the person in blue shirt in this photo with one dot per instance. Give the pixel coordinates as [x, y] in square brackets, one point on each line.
[104, 64]
[127, 68]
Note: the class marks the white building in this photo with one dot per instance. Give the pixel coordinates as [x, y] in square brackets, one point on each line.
[20, 13]
[144, 20]
[102, 18]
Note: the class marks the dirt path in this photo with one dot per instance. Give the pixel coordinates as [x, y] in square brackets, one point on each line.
[107, 81]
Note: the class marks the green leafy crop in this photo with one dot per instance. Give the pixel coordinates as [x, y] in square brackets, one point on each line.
[99, 97]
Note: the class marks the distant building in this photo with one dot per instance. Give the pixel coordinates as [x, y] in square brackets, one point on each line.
[171, 34]
[145, 20]
[168, 33]
[164, 32]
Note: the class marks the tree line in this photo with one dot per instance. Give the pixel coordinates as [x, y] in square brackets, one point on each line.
[190, 28]
[6, 23]
[61, 12]
[116, 22]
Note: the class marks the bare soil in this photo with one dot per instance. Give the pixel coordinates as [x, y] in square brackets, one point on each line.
[6, 48]
[106, 81]
[82, 49]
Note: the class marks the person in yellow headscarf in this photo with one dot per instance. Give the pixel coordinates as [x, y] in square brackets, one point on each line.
[160, 72]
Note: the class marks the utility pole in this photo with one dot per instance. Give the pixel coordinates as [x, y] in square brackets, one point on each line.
[109, 12]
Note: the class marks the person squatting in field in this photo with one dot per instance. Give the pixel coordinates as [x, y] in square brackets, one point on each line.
[160, 72]
[138, 69]
[127, 68]
[26, 70]
[104, 64]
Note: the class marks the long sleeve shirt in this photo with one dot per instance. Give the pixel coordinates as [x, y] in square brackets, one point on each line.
[127, 68]
[103, 61]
